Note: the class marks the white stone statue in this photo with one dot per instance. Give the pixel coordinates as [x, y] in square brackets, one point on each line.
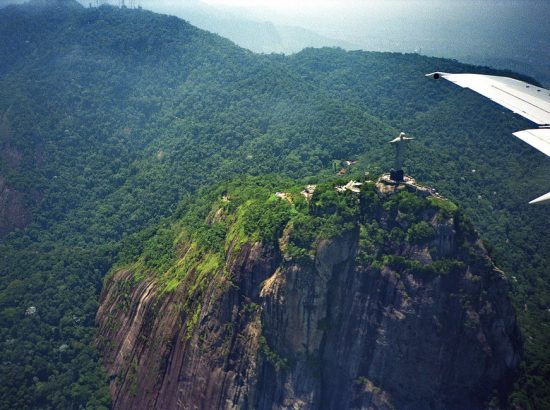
[400, 142]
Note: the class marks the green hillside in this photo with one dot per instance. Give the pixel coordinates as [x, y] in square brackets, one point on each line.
[111, 117]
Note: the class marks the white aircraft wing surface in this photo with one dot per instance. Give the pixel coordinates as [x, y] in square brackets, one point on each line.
[525, 99]
[541, 199]
[538, 138]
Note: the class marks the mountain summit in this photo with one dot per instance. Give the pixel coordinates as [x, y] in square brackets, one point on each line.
[270, 295]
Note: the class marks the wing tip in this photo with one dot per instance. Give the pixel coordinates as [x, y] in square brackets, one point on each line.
[541, 199]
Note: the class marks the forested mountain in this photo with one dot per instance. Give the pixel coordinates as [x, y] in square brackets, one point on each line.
[110, 117]
[276, 296]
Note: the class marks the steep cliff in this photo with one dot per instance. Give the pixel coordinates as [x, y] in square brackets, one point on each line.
[326, 298]
[13, 213]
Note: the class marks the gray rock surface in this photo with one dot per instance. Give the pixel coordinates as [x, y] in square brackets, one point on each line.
[337, 331]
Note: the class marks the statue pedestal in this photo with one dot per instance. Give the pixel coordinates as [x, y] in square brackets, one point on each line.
[397, 175]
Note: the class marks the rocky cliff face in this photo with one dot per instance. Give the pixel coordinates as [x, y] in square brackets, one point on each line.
[398, 308]
[13, 213]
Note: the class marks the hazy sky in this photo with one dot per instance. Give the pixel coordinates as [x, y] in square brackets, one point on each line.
[511, 34]
[285, 4]
[352, 20]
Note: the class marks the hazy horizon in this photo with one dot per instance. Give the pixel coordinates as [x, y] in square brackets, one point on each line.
[508, 34]
[503, 33]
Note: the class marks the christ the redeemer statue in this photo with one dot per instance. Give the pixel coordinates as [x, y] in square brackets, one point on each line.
[397, 173]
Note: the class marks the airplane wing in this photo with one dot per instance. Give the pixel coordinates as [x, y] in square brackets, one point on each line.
[538, 138]
[527, 100]
[541, 199]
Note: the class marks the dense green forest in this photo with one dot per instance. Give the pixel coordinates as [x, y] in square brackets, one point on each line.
[219, 220]
[110, 119]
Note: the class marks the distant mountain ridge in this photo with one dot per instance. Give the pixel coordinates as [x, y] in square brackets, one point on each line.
[54, 3]
[112, 117]
[264, 36]
[257, 36]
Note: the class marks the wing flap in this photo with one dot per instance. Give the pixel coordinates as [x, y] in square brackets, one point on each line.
[527, 100]
[538, 138]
